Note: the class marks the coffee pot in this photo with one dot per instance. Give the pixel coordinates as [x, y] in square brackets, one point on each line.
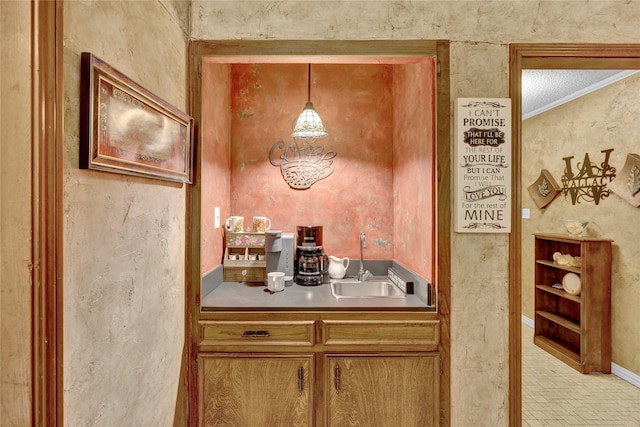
[311, 262]
[338, 267]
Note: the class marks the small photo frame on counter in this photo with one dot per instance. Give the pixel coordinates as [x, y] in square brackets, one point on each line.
[126, 129]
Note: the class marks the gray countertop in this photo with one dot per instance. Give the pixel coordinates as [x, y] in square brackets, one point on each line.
[217, 294]
[246, 296]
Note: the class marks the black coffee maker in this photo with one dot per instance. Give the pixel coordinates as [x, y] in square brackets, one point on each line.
[311, 264]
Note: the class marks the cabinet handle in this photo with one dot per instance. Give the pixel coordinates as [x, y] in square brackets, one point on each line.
[336, 378]
[301, 379]
[255, 334]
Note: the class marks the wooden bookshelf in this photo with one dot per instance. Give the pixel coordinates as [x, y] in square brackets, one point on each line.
[574, 328]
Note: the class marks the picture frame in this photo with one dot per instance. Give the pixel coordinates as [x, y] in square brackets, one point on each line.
[126, 129]
[544, 190]
[627, 183]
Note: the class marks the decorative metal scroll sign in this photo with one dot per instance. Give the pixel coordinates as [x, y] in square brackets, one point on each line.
[590, 182]
[483, 165]
[302, 164]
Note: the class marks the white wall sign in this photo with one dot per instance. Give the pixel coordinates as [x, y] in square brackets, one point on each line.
[482, 180]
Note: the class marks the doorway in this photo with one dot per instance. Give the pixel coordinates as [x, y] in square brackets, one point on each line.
[538, 57]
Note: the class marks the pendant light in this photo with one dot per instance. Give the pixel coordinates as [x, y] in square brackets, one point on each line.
[309, 124]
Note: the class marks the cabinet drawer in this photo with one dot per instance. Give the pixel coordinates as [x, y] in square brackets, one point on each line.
[244, 274]
[374, 332]
[219, 333]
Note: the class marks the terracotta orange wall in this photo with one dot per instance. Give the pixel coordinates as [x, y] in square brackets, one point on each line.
[382, 176]
[356, 106]
[413, 166]
[215, 170]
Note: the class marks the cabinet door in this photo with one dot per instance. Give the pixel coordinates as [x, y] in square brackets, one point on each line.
[248, 390]
[382, 390]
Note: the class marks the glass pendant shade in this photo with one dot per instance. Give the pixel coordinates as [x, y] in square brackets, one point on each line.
[309, 124]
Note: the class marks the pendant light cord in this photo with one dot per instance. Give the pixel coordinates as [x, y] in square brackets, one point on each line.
[309, 84]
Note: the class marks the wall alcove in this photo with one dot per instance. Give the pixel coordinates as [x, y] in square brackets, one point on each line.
[227, 63]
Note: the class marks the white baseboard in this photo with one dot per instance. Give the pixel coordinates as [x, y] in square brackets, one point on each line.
[527, 321]
[617, 370]
[625, 374]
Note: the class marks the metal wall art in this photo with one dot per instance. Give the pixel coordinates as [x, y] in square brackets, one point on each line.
[302, 163]
[627, 183]
[590, 182]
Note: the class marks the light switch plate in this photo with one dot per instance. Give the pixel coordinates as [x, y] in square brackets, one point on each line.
[216, 216]
[526, 213]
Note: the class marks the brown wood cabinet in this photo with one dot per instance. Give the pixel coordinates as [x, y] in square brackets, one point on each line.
[382, 390]
[318, 369]
[574, 328]
[256, 390]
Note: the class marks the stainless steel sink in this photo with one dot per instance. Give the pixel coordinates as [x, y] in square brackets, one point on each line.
[366, 289]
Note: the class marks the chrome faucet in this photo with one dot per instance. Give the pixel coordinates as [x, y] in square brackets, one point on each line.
[362, 274]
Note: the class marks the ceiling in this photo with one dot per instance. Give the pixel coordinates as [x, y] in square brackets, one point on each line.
[545, 89]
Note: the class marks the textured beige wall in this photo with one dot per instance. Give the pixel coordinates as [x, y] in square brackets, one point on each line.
[15, 214]
[480, 33]
[601, 120]
[124, 237]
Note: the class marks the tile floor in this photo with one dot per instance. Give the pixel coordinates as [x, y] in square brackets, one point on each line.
[554, 394]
